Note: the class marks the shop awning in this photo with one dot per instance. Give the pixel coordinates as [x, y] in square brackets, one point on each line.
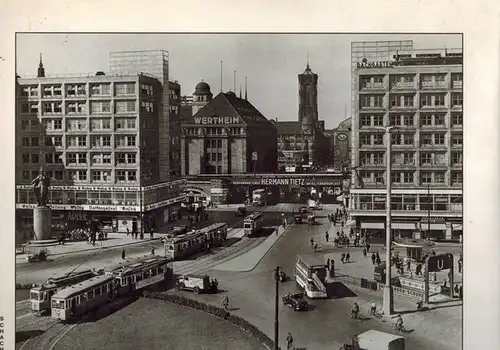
[425, 226]
[350, 223]
[457, 227]
[403, 226]
[373, 225]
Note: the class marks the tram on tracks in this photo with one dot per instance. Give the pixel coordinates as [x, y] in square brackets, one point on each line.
[193, 242]
[253, 223]
[117, 281]
[41, 295]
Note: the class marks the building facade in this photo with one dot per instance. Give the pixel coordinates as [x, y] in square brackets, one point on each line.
[302, 144]
[339, 140]
[156, 63]
[98, 138]
[415, 97]
[228, 135]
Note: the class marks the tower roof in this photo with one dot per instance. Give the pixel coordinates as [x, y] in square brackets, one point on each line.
[202, 88]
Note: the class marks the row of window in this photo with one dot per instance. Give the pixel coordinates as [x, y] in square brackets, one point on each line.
[426, 119]
[214, 157]
[80, 158]
[426, 158]
[408, 177]
[410, 78]
[404, 100]
[408, 139]
[103, 89]
[82, 175]
[409, 202]
[80, 107]
[214, 131]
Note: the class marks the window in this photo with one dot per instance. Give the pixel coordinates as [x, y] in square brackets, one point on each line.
[425, 158]
[425, 177]
[457, 119]
[124, 106]
[147, 89]
[378, 158]
[365, 101]
[120, 176]
[71, 141]
[439, 178]
[124, 88]
[365, 139]
[408, 139]
[440, 77]
[426, 139]
[378, 139]
[100, 107]
[26, 141]
[456, 140]
[130, 140]
[57, 124]
[408, 119]
[408, 101]
[426, 77]
[82, 175]
[25, 124]
[25, 158]
[408, 158]
[132, 175]
[25, 108]
[146, 106]
[439, 100]
[395, 101]
[58, 174]
[457, 77]
[378, 101]
[395, 177]
[425, 119]
[365, 120]
[439, 139]
[395, 120]
[131, 158]
[439, 119]
[456, 99]
[456, 178]
[82, 158]
[82, 141]
[396, 139]
[425, 100]
[120, 158]
[35, 159]
[407, 177]
[456, 158]
[26, 175]
[378, 79]
[71, 158]
[59, 157]
[378, 120]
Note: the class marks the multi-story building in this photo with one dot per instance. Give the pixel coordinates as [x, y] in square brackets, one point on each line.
[339, 140]
[416, 98]
[303, 143]
[228, 136]
[97, 136]
[156, 63]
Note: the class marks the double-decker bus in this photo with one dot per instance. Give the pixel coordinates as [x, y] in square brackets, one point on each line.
[253, 223]
[310, 274]
[259, 197]
[40, 295]
[119, 280]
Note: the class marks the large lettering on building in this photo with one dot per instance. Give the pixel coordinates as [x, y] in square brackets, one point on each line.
[282, 182]
[216, 120]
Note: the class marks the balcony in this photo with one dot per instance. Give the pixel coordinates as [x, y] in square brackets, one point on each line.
[403, 85]
[373, 86]
[433, 85]
[457, 85]
[402, 107]
[434, 165]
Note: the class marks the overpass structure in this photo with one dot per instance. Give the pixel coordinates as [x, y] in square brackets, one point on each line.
[289, 187]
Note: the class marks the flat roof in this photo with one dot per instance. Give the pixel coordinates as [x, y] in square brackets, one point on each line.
[312, 259]
[82, 286]
[372, 337]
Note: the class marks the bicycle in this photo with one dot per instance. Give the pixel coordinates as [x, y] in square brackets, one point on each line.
[355, 315]
[399, 328]
[374, 312]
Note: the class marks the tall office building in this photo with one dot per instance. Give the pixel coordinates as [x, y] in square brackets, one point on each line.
[97, 137]
[419, 94]
[156, 63]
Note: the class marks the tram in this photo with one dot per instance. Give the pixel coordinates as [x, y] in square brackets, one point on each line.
[253, 223]
[195, 241]
[40, 295]
[117, 281]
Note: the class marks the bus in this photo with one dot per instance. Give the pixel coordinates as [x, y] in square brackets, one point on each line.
[310, 275]
[40, 295]
[259, 197]
[253, 223]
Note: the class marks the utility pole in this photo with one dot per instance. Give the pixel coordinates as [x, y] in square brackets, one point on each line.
[276, 309]
[388, 292]
[429, 202]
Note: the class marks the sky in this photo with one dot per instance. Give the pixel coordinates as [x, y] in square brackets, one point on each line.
[270, 61]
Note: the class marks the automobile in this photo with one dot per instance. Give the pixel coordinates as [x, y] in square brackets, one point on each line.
[297, 218]
[197, 284]
[304, 210]
[296, 302]
[241, 211]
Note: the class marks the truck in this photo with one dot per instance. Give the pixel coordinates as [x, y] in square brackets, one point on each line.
[376, 340]
[196, 283]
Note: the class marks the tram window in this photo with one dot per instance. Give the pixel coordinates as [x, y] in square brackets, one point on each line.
[84, 297]
[129, 280]
[98, 291]
[138, 277]
[91, 294]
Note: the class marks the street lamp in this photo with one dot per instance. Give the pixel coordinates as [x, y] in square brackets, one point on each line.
[276, 308]
[388, 306]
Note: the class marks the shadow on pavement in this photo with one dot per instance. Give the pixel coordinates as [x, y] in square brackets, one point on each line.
[338, 290]
[25, 335]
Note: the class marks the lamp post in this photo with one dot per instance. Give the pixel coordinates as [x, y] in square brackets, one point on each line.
[388, 306]
[276, 309]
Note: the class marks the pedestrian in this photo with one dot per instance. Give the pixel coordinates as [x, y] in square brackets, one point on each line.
[342, 257]
[289, 341]
[123, 254]
[456, 290]
[460, 292]
[151, 233]
[433, 252]
[367, 247]
[327, 236]
[312, 242]
[328, 263]
[152, 250]
[377, 255]
[364, 252]
[128, 232]
[408, 264]
[348, 257]
[418, 270]
[373, 258]
[460, 266]
[378, 261]
[315, 247]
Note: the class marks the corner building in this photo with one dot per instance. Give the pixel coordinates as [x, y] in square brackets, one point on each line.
[419, 93]
[98, 139]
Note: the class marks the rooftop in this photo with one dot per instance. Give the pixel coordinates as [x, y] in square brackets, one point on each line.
[85, 285]
[288, 127]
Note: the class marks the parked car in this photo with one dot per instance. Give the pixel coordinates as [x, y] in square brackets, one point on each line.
[296, 302]
[297, 218]
[197, 284]
[241, 211]
[304, 210]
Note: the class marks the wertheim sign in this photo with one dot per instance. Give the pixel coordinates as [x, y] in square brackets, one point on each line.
[217, 120]
[381, 64]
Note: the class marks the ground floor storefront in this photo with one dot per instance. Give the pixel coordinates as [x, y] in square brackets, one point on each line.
[437, 228]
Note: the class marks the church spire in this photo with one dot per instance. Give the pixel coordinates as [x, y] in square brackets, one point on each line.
[308, 60]
[41, 70]
[240, 90]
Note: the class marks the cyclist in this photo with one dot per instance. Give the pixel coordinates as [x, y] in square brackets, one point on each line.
[225, 302]
[355, 310]
[399, 323]
[373, 308]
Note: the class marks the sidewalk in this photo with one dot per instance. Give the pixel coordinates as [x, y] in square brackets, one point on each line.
[113, 240]
[247, 261]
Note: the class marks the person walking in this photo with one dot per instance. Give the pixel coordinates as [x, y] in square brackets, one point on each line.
[460, 264]
[289, 341]
[128, 232]
[348, 257]
[342, 257]
[460, 292]
[327, 236]
[123, 254]
[373, 258]
[312, 242]
[364, 252]
[456, 290]
[152, 250]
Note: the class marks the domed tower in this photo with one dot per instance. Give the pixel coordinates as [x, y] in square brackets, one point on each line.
[201, 96]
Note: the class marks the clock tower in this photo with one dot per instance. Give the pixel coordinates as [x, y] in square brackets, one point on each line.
[308, 108]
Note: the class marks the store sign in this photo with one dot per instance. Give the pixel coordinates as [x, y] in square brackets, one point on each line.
[217, 120]
[419, 285]
[108, 188]
[164, 203]
[83, 207]
[440, 262]
[165, 184]
[379, 64]
[434, 219]
[77, 216]
[341, 137]
[149, 281]
[282, 182]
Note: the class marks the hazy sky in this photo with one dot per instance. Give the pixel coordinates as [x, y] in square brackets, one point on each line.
[270, 61]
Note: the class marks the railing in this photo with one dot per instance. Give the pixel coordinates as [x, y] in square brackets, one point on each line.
[433, 84]
[403, 85]
[318, 283]
[373, 86]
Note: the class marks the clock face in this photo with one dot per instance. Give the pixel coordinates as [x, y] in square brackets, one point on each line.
[341, 137]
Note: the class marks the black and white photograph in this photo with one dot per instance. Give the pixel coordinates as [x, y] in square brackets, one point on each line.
[263, 191]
